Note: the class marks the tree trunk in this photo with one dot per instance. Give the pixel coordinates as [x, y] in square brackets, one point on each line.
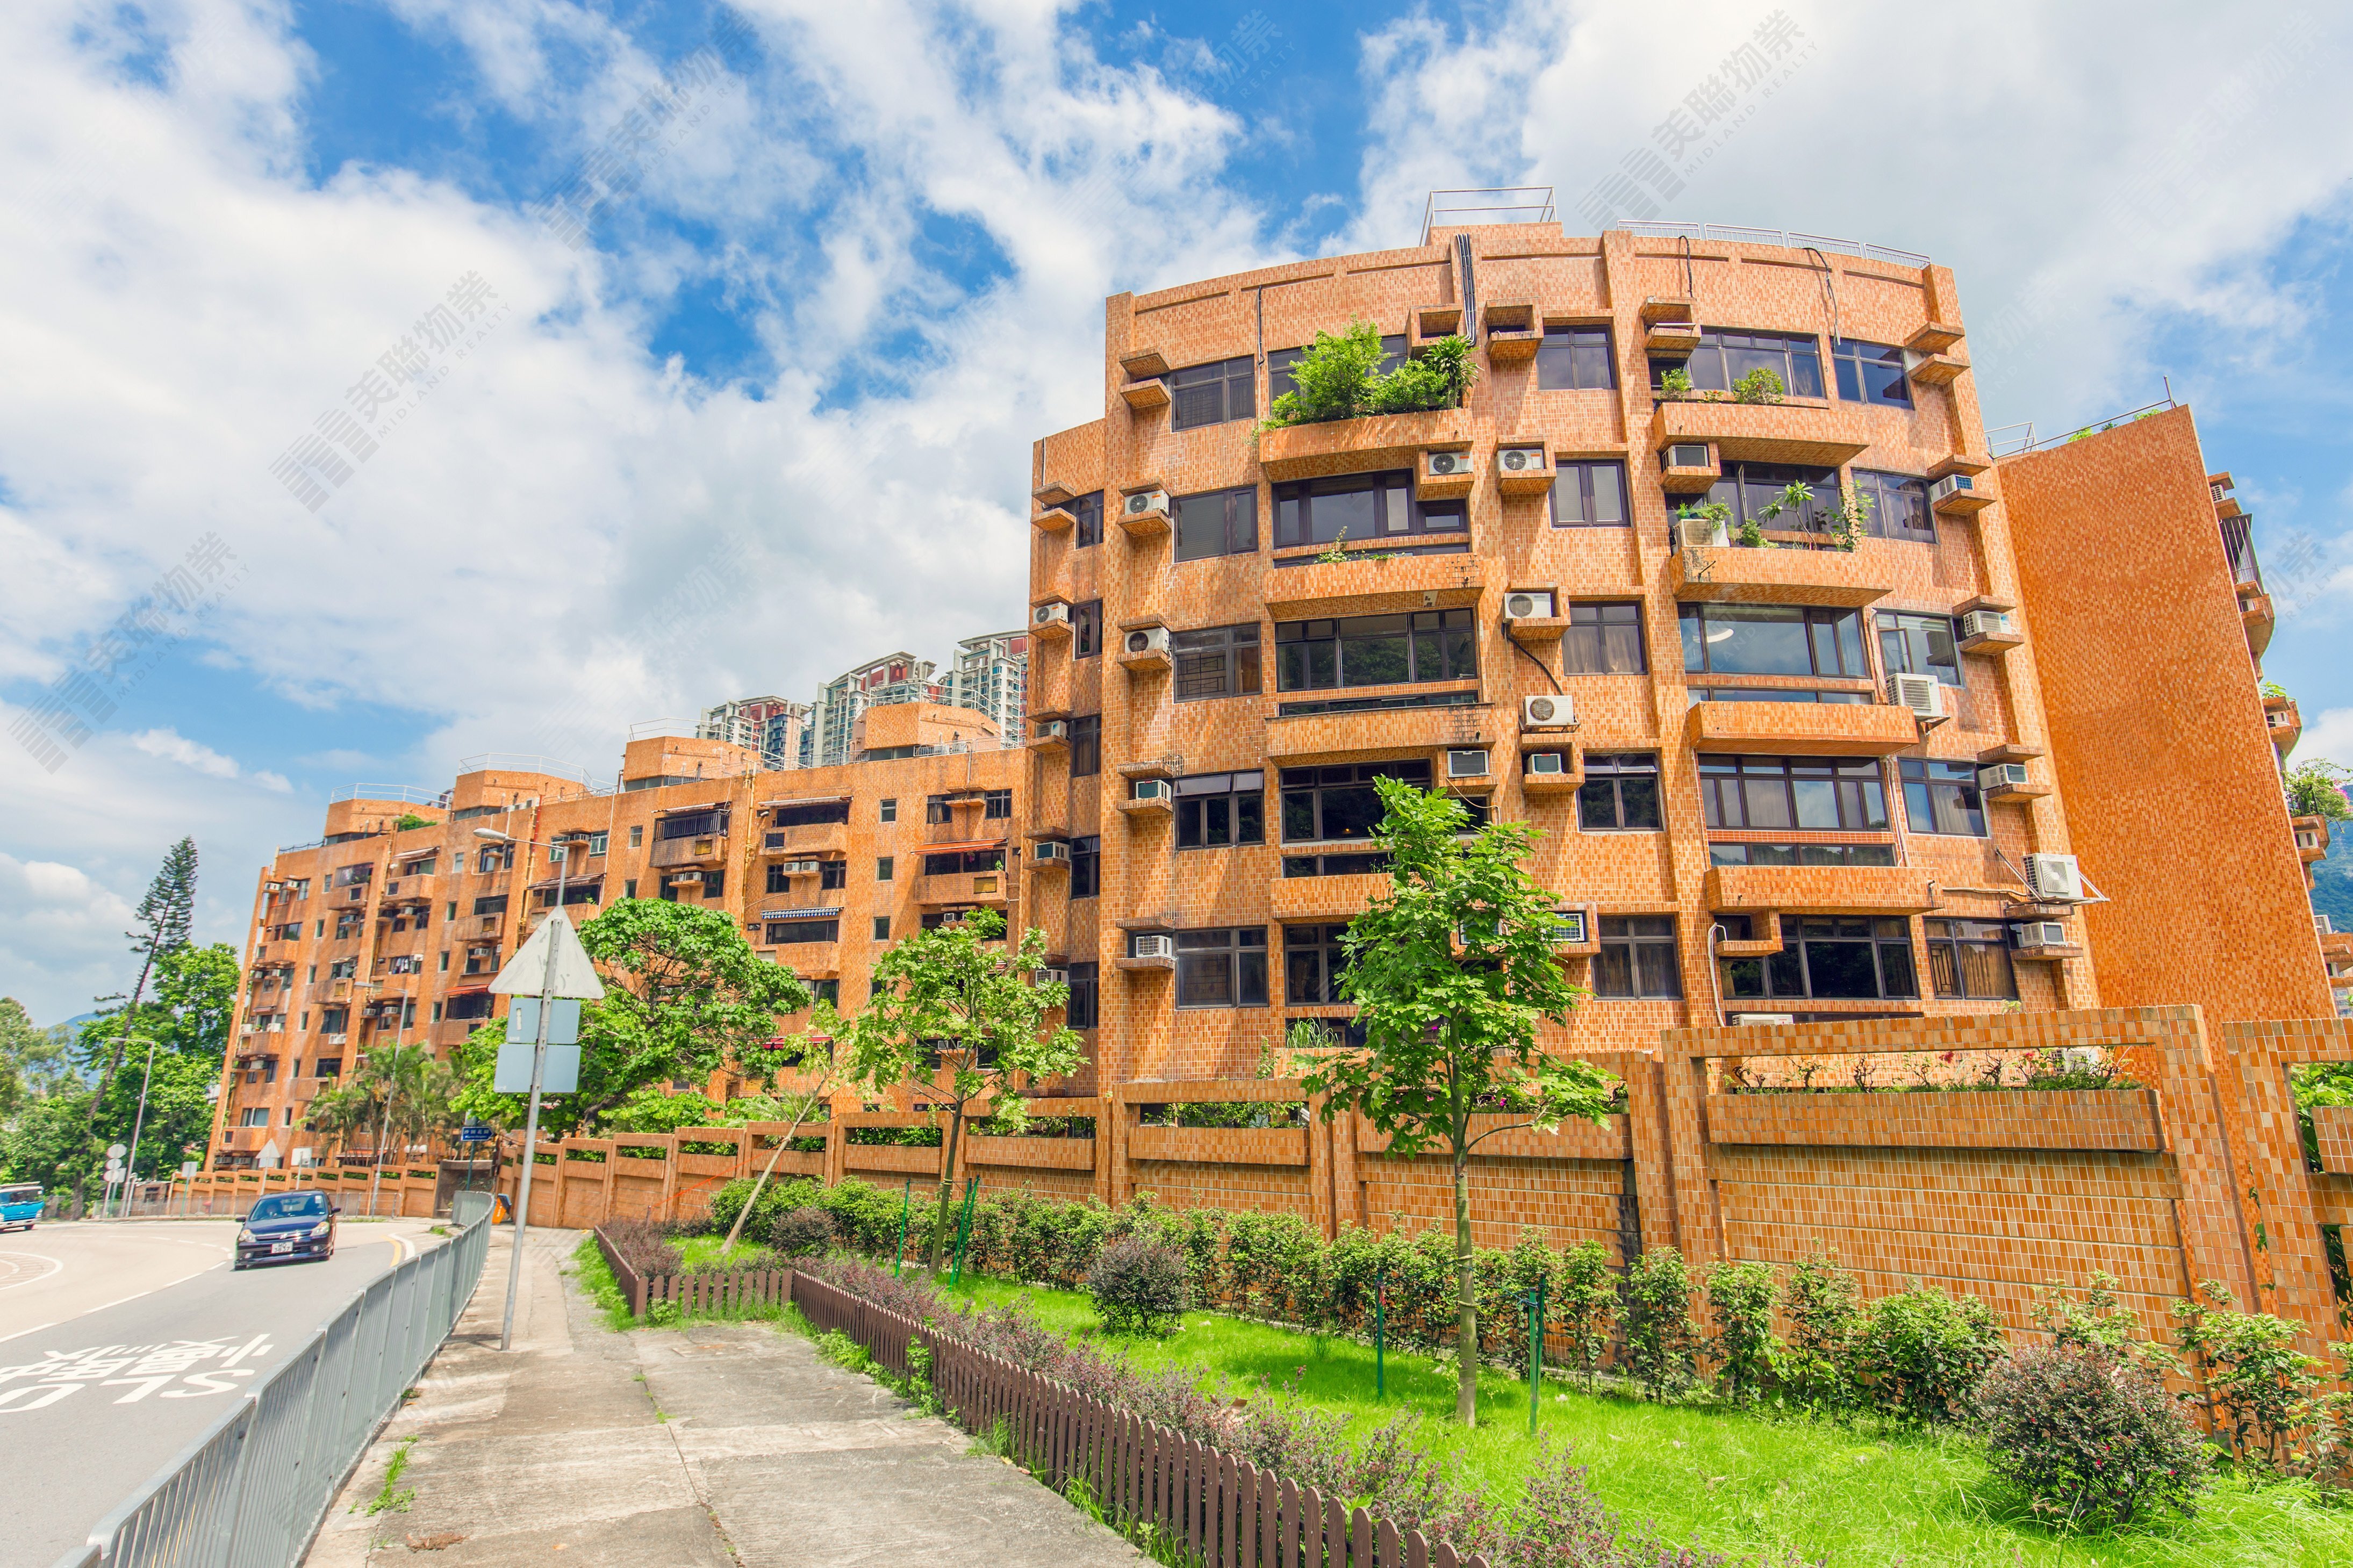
[947, 1184]
[1466, 1296]
[106, 1079]
[782, 1144]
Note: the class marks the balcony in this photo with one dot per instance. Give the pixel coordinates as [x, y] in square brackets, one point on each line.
[963, 889]
[809, 840]
[1819, 889]
[1356, 446]
[1808, 431]
[1379, 735]
[1846, 579]
[1802, 728]
[1144, 523]
[2311, 838]
[2284, 721]
[693, 849]
[1370, 582]
[1293, 899]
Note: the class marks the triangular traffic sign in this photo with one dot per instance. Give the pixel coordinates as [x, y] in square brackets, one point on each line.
[526, 974]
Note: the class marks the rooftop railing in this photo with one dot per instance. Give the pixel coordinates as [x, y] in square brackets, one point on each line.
[1792, 239]
[514, 762]
[407, 793]
[1493, 204]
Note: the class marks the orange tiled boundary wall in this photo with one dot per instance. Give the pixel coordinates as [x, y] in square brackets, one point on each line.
[2198, 1175]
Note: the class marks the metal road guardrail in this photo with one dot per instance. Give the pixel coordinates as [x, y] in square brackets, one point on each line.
[251, 1491]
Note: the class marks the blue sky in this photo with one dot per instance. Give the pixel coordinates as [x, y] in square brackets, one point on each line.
[773, 416]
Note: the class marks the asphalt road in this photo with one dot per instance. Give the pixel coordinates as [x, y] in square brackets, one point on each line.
[121, 1343]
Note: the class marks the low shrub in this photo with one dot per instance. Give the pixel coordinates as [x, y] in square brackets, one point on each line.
[1662, 1350]
[1741, 1342]
[1920, 1353]
[1822, 1304]
[643, 1244]
[2089, 1436]
[2258, 1385]
[802, 1232]
[1139, 1285]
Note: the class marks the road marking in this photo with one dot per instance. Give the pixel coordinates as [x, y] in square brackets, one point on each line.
[56, 1265]
[401, 1250]
[35, 1329]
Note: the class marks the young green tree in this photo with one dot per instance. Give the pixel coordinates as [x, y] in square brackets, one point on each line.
[685, 996]
[2316, 788]
[821, 1065]
[955, 1020]
[165, 916]
[1451, 971]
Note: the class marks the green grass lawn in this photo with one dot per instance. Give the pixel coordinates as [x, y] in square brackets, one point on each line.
[1731, 1482]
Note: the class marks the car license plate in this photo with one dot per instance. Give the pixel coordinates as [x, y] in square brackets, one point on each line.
[282, 1247]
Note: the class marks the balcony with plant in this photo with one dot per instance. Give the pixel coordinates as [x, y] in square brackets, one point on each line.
[1345, 413]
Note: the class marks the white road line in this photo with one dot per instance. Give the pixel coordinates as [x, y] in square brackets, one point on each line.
[401, 1250]
[56, 1265]
[35, 1329]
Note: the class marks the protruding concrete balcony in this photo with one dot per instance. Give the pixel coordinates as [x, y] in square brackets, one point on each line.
[1369, 581]
[1732, 573]
[1805, 430]
[1819, 889]
[1359, 446]
[1802, 728]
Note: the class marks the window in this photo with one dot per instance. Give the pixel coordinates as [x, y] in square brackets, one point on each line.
[469, 1004]
[1215, 661]
[1088, 510]
[695, 824]
[780, 880]
[597, 843]
[963, 863]
[494, 905]
[327, 1067]
[1971, 958]
[1361, 506]
[1219, 522]
[715, 884]
[882, 928]
[494, 857]
[1212, 394]
[1086, 745]
[445, 964]
[1086, 629]
[253, 1116]
[1619, 794]
[996, 803]
[630, 888]
[1086, 866]
[1335, 803]
[1895, 506]
[886, 811]
[1756, 854]
[1751, 490]
[1772, 639]
[826, 990]
[1603, 640]
[782, 932]
[1376, 650]
[831, 874]
[636, 837]
[1941, 798]
[884, 865]
[1870, 372]
[1775, 694]
[1827, 956]
[1589, 495]
[935, 810]
[1217, 810]
[1575, 359]
[1829, 794]
[1637, 957]
[1279, 379]
[1222, 968]
[1312, 961]
[811, 813]
[1722, 358]
[1919, 644]
[1081, 1011]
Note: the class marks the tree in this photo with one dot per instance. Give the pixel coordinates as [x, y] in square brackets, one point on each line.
[1450, 970]
[685, 995]
[952, 1004]
[165, 916]
[400, 1095]
[2316, 788]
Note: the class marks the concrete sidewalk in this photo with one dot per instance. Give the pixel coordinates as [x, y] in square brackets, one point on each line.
[719, 1445]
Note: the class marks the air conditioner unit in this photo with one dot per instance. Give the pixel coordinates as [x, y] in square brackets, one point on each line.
[1054, 614]
[1985, 624]
[1917, 692]
[1549, 764]
[1148, 639]
[2028, 934]
[1767, 1018]
[337, 1039]
[1152, 946]
[1521, 459]
[1547, 712]
[1701, 533]
[274, 887]
[1151, 789]
[1687, 455]
[2002, 775]
[1531, 606]
[1949, 486]
[1049, 976]
[1049, 850]
[798, 868]
[686, 880]
[2320, 926]
[1466, 765]
[1142, 501]
[1053, 730]
[2055, 878]
[1445, 465]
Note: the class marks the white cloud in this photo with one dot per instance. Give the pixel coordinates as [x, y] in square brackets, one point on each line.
[58, 928]
[173, 746]
[2330, 736]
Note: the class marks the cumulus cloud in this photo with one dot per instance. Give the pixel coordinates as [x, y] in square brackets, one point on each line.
[173, 746]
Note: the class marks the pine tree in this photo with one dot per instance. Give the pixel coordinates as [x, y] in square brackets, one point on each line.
[165, 915]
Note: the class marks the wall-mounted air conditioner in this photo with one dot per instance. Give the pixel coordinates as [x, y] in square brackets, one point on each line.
[1053, 614]
[1153, 789]
[1051, 851]
[1445, 465]
[1951, 485]
[1688, 454]
[1054, 729]
[1547, 712]
[1148, 639]
[1521, 459]
[1531, 604]
[1152, 946]
[1918, 693]
[1466, 765]
[1985, 624]
[1701, 533]
[687, 879]
[1049, 976]
[2055, 878]
[2027, 935]
[1142, 501]
[799, 867]
[1737, 1019]
[2002, 777]
[1551, 764]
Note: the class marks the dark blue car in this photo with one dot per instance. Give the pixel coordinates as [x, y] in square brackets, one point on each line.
[287, 1227]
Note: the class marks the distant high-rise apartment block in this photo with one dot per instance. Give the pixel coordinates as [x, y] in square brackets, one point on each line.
[771, 726]
[991, 675]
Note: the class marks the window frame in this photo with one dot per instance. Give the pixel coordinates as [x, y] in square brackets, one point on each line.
[1872, 485]
[1279, 379]
[1239, 799]
[1612, 770]
[1288, 783]
[1239, 529]
[1913, 650]
[1945, 941]
[1864, 774]
[1462, 622]
[1392, 490]
[1851, 366]
[1237, 383]
[1085, 741]
[1086, 848]
[1322, 944]
[1925, 809]
[1582, 471]
[1086, 629]
[1084, 1009]
[1721, 341]
[1563, 366]
[1238, 675]
[815, 931]
[1196, 953]
[1638, 951]
[1088, 510]
[1589, 622]
[1796, 961]
[1815, 622]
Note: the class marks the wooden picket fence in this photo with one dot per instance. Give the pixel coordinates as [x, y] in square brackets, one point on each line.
[696, 1293]
[1218, 1511]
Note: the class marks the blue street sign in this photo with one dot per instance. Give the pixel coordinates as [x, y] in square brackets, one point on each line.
[474, 1132]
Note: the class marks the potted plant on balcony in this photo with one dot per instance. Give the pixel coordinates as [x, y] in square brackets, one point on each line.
[1709, 523]
[1759, 385]
[1340, 378]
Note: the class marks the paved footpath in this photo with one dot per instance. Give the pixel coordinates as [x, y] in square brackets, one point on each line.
[730, 1445]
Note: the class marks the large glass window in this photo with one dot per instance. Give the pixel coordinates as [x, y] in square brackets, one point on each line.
[1312, 961]
[1970, 959]
[1752, 489]
[1088, 530]
[1589, 495]
[1895, 506]
[692, 824]
[1724, 357]
[781, 933]
[1079, 1011]
[1086, 745]
[1827, 957]
[1603, 640]
[1870, 373]
[1212, 394]
[1772, 639]
[1359, 506]
[961, 862]
[1216, 522]
[1086, 866]
[1215, 661]
[1753, 853]
[1376, 650]
[1637, 957]
[1919, 644]
[1575, 359]
[1222, 968]
[1324, 804]
[1840, 795]
[1621, 793]
[1942, 797]
[1215, 811]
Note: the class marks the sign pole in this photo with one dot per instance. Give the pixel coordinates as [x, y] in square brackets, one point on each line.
[531, 1122]
[1380, 1334]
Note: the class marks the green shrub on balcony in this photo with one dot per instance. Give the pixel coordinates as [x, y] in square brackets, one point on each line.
[1340, 378]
